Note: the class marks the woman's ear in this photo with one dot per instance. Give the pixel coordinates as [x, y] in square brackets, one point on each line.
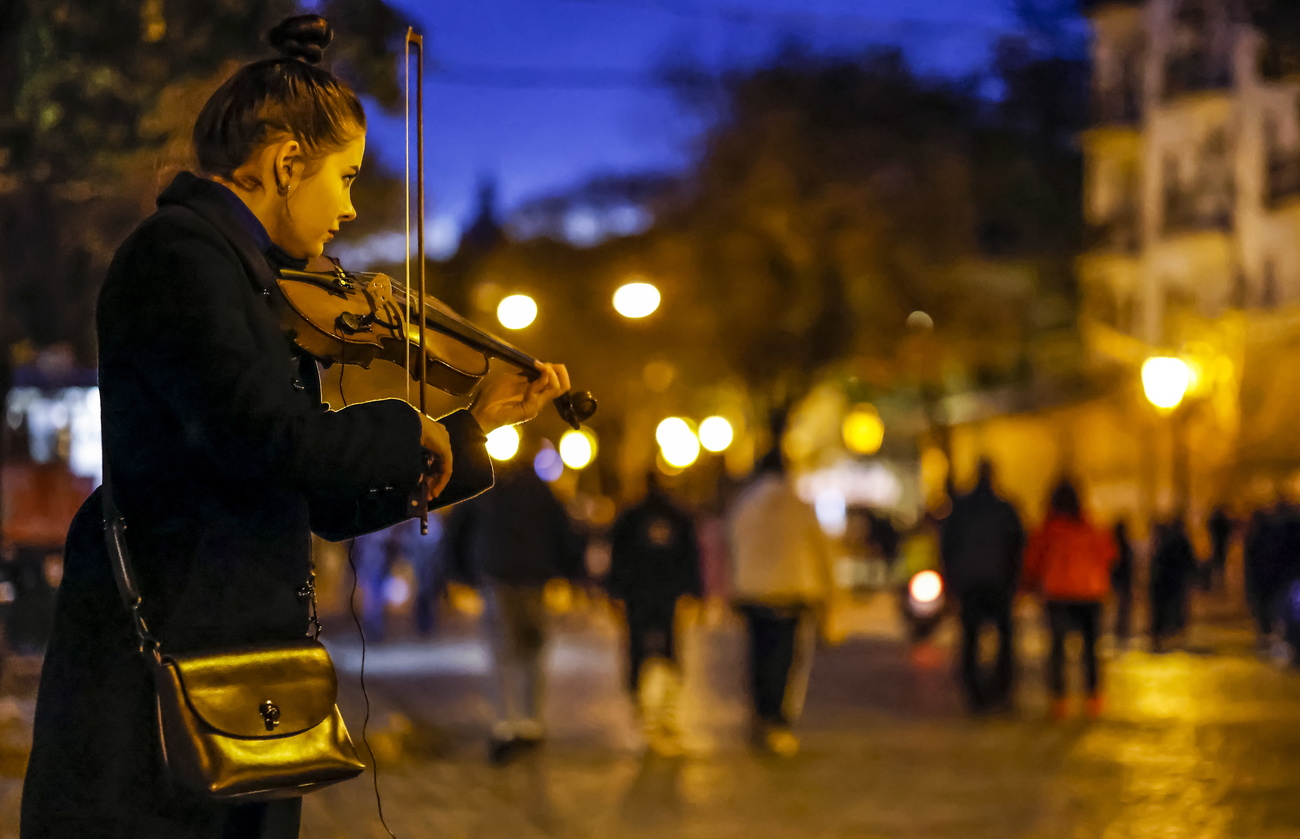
[288, 165]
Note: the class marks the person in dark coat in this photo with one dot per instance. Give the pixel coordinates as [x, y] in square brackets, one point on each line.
[1121, 581]
[654, 562]
[1173, 568]
[1262, 567]
[981, 548]
[223, 459]
[510, 543]
[1220, 527]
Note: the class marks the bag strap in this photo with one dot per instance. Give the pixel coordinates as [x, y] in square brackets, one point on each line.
[123, 570]
[129, 590]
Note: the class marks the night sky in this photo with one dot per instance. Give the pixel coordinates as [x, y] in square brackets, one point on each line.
[542, 93]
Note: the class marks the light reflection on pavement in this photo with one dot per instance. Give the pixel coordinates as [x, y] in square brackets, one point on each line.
[1202, 745]
[1196, 744]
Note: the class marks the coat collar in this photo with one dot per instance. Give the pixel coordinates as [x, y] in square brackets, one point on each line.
[223, 210]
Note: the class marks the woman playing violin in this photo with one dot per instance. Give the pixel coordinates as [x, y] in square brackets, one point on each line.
[222, 458]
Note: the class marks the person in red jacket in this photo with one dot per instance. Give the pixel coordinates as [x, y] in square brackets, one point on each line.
[1068, 562]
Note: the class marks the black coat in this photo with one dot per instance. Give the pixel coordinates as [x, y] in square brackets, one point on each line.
[981, 545]
[223, 462]
[654, 557]
[517, 535]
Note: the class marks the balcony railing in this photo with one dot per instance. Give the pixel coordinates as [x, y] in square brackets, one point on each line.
[1283, 176]
[1117, 234]
[1196, 212]
[1194, 73]
[1117, 106]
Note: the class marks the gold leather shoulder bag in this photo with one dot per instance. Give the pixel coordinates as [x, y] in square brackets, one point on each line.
[242, 724]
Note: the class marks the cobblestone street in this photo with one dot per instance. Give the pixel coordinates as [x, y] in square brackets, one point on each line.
[1201, 742]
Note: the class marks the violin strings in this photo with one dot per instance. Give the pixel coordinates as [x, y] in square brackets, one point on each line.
[407, 67]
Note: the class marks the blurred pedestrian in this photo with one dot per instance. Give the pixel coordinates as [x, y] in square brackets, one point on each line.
[981, 549]
[510, 543]
[1261, 565]
[376, 557]
[781, 580]
[654, 562]
[1219, 527]
[1068, 562]
[1173, 568]
[1121, 582]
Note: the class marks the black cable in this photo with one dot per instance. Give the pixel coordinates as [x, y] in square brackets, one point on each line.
[374, 761]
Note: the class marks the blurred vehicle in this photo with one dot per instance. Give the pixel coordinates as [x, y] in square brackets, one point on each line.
[922, 593]
[923, 603]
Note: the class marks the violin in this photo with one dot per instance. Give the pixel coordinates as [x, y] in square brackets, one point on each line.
[356, 318]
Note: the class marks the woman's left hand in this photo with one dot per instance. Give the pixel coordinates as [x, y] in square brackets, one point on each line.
[509, 398]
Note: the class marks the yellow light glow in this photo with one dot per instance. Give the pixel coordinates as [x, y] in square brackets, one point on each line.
[677, 442]
[1165, 381]
[517, 311]
[503, 443]
[863, 429]
[716, 434]
[578, 448]
[636, 300]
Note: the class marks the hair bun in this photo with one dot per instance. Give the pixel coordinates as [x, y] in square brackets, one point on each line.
[304, 37]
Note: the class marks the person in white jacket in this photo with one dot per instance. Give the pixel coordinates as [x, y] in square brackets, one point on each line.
[781, 575]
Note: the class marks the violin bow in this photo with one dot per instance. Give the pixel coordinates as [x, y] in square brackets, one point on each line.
[416, 41]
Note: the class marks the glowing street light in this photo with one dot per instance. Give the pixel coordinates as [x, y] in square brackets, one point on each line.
[716, 434]
[677, 442]
[863, 430]
[1165, 381]
[636, 300]
[578, 448]
[503, 443]
[517, 311]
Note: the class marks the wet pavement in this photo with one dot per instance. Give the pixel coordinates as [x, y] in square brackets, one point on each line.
[1202, 742]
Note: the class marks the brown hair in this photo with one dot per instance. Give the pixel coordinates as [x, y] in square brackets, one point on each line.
[288, 96]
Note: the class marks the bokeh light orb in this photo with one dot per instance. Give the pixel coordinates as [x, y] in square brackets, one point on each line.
[548, 465]
[636, 300]
[677, 442]
[926, 587]
[863, 430]
[578, 448]
[1165, 381]
[502, 443]
[716, 434]
[517, 311]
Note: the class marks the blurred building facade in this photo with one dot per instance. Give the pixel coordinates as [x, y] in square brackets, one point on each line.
[1192, 250]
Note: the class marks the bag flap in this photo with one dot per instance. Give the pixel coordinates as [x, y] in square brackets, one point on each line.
[269, 691]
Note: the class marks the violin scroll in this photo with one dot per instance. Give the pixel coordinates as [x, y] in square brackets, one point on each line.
[575, 407]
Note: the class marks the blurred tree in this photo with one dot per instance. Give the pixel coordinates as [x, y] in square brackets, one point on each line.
[831, 199]
[97, 98]
[835, 197]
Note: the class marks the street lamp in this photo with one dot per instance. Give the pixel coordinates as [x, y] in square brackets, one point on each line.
[1165, 381]
[636, 300]
[503, 442]
[577, 448]
[716, 434]
[517, 311]
[677, 442]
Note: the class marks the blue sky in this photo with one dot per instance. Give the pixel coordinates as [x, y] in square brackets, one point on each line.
[541, 94]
